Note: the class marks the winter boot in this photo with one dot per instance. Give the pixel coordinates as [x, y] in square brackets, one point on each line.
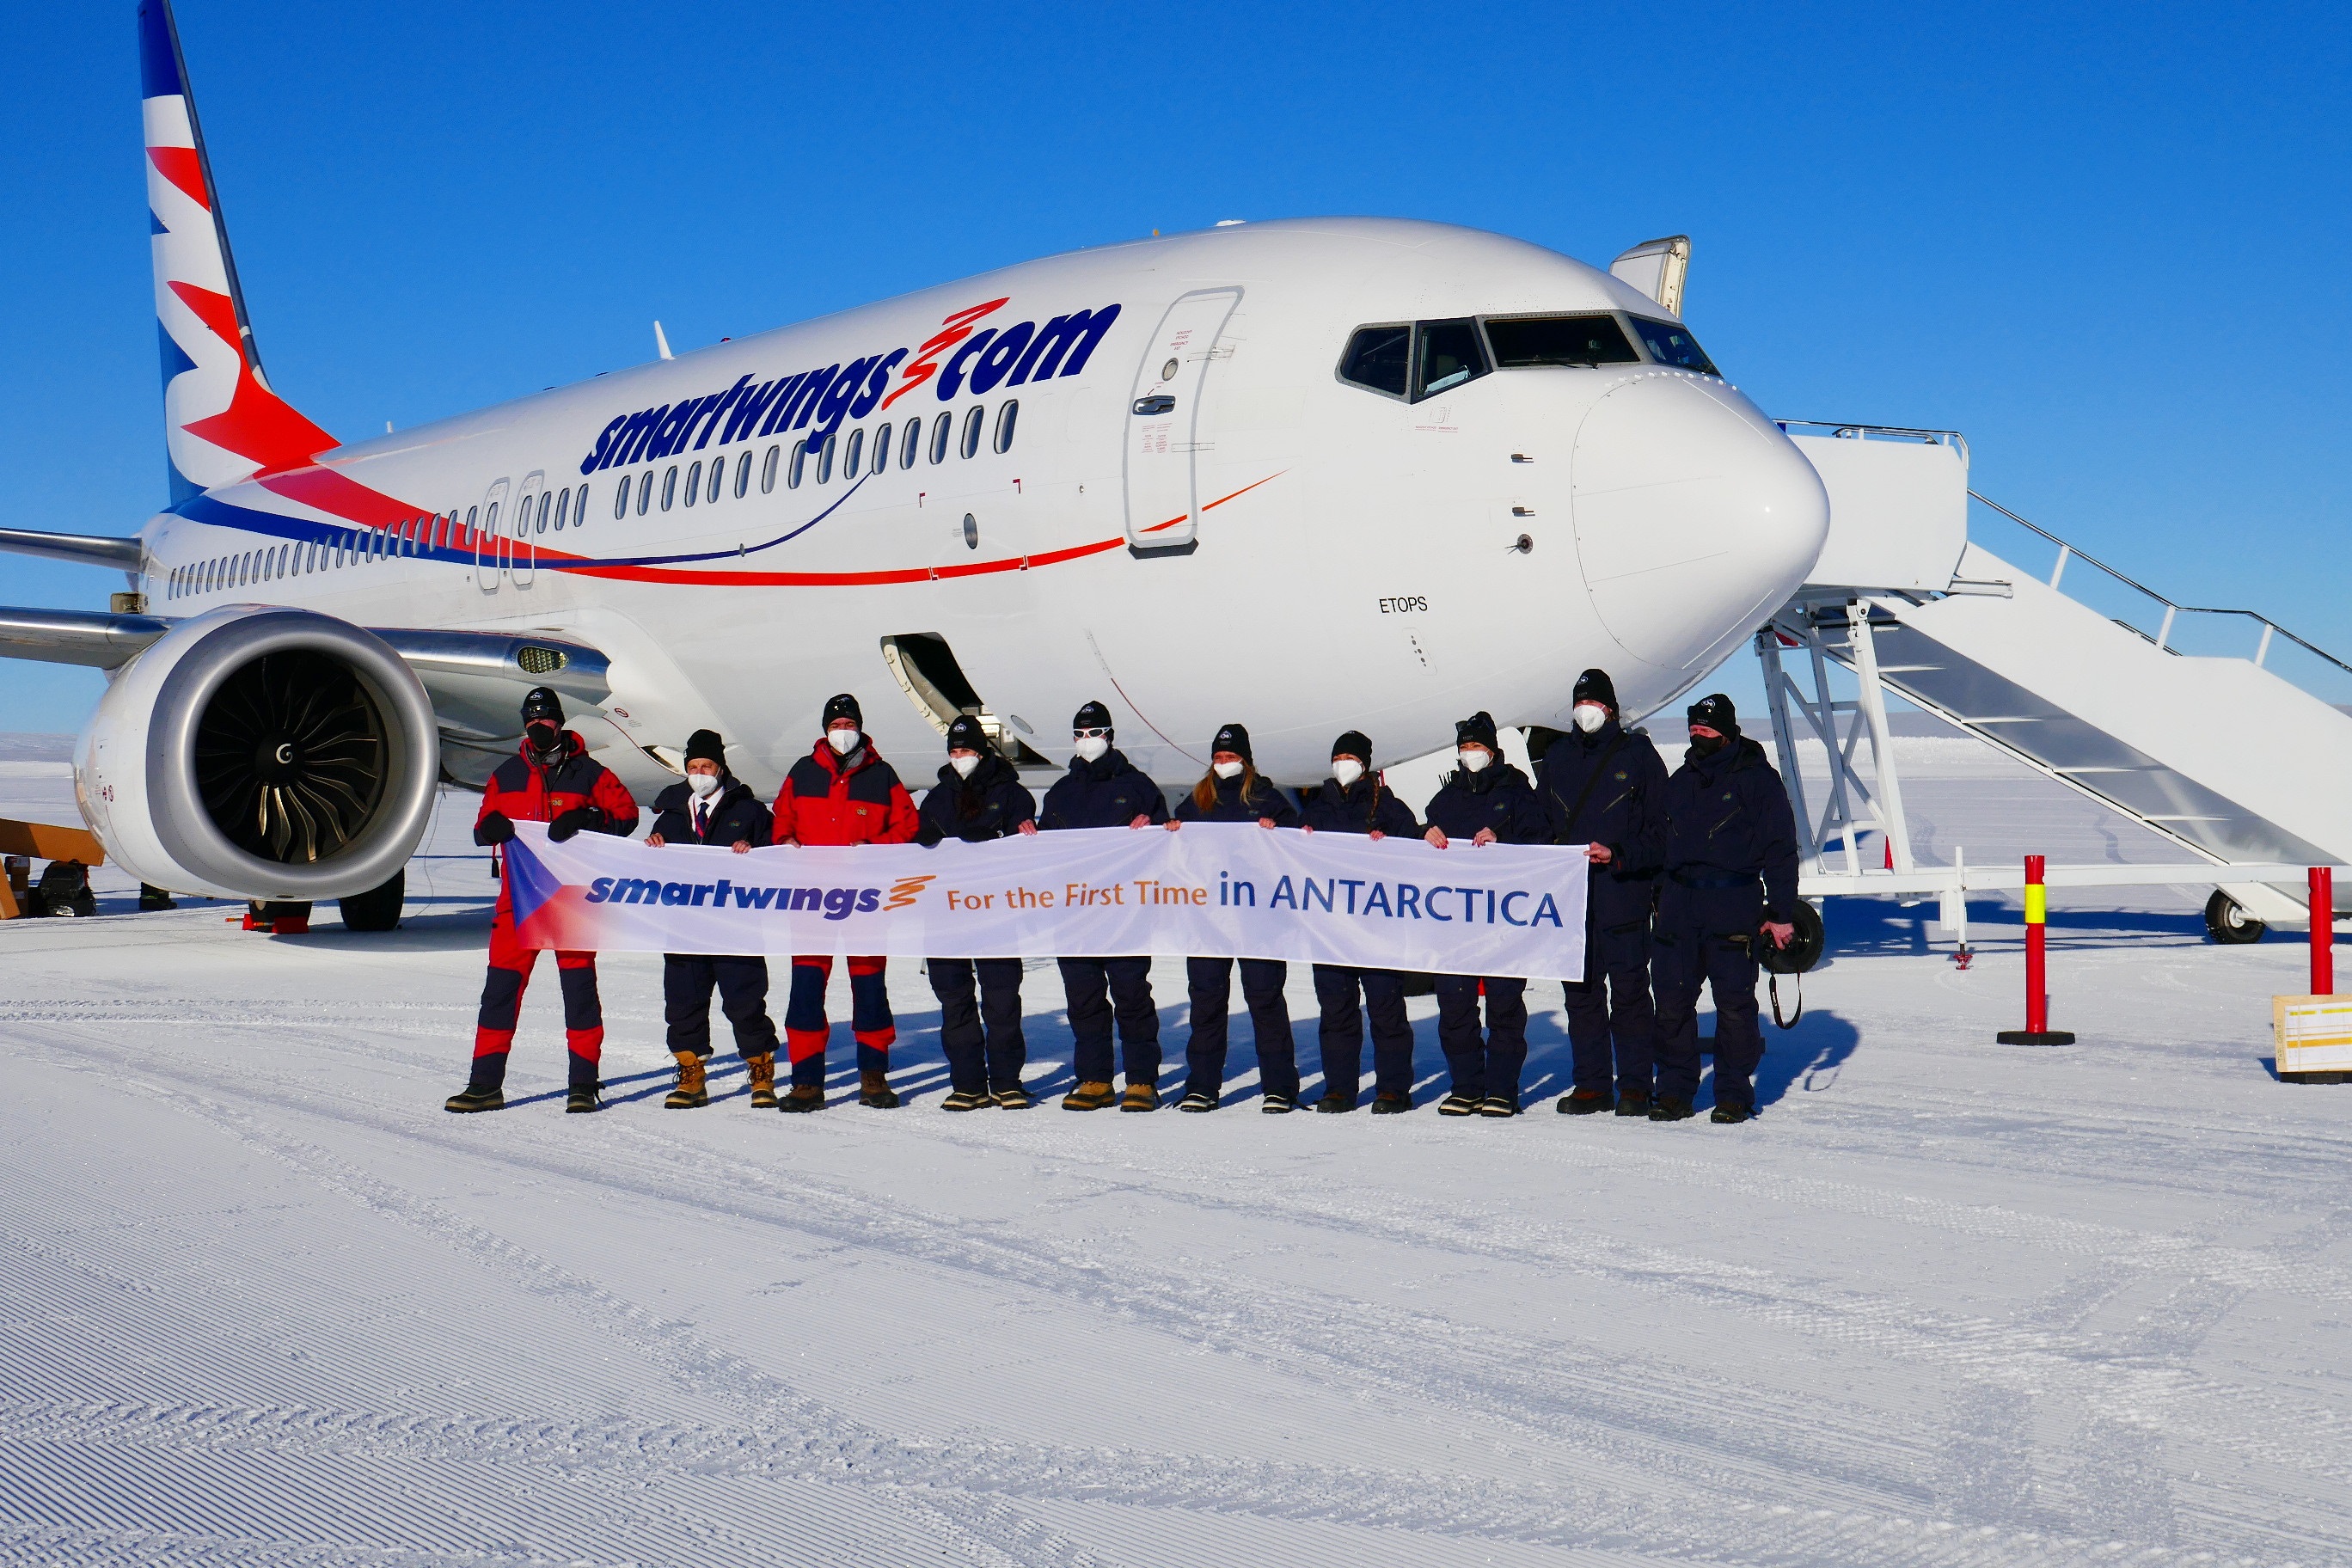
[874, 1092]
[1389, 1102]
[1582, 1103]
[1500, 1105]
[1139, 1097]
[1730, 1115]
[1088, 1097]
[477, 1099]
[1278, 1105]
[582, 1101]
[1634, 1102]
[762, 1073]
[692, 1090]
[1013, 1098]
[1333, 1104]
[1666, 1108]
[1195, 1102]
[968, 1099]
[1458, 1104]
[802, 1097]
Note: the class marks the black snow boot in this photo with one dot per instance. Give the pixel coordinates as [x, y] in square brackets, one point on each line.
[1730, 1115]
[968, 1099]
[1012, 1096]
[1459, 1104]
[1500, 1105]
[582, 1101]
[1582, 1103]
[1197, 1101]
[1333, 1104]
[1278, 1105]
[1634, 1102]
[1666, 1108]
[802, 1097]
[1390, 1103]
[485, 1086]
[474, 1100]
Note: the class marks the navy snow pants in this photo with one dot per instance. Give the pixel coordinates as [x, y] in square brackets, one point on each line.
[1485, 1066]
[980, 1036]
[1098, 990]
[806, 1030]
[1612, 1003]
[1211, 983]
[687, 980]
[1708, 936]
[1342, 1032]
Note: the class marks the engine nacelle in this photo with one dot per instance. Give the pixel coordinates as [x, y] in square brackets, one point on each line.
[261, 753]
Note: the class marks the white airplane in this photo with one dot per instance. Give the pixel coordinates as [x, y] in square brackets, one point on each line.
[1312, 475]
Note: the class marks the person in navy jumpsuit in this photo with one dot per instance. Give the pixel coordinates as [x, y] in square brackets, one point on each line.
[980, 797]
[1354, 799]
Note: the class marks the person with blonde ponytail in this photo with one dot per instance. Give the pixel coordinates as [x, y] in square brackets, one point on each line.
[1231, 791]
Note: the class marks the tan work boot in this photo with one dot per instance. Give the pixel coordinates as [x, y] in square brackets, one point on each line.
[874, 1090]
[1139, 1097]
[764, 1081]
[1088, 1097]
[691, 1090]
[802, 1097]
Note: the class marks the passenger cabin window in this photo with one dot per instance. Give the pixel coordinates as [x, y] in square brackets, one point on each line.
[1006, 418]
[767, 469]
[669, 487]
[693, 484]
[1379, 358]
[645, 491]
[824, 461]
[1673, 345]
[910, 443]
[882, 449]
[1445, 355]
[743, 474]
[799, 465]
[621, 499]
[717, 473]
[562, 508]
[971, 423]
[942, 431]
[1520, 342]
[854, 458]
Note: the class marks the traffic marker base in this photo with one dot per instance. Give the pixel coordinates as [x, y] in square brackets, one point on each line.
[2035, 1037]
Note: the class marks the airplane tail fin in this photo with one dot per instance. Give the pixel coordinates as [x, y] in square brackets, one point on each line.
[221, 423]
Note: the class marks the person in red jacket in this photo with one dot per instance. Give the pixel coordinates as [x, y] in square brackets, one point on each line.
[842, 793]
[553, 779]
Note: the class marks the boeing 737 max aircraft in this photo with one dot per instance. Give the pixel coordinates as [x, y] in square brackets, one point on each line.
[1315, 475]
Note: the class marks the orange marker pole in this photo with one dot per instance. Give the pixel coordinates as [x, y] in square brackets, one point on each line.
[2323, 930]
[2037, 1030]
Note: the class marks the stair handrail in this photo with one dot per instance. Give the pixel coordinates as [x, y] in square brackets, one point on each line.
[2067, 552]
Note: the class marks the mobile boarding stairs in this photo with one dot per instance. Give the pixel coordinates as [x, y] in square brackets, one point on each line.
[2074, 669]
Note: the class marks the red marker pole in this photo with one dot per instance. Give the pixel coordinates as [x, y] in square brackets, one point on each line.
[2037, 1030]
[2323, 930]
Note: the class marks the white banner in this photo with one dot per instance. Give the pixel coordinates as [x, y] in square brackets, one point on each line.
[1212, 889]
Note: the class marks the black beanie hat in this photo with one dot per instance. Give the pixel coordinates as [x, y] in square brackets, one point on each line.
[704, 745]
[1715, 711]
[542, 702]
[966, 735]
[844, 707]
[1594, 686]
[1093, 716]
[1478, 728]
[1354, 743]
[1232, 738]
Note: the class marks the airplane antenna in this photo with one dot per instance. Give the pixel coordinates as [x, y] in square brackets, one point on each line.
[662, 342]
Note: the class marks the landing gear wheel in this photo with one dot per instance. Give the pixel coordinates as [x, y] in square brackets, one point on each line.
[379, 908]
[2228, 923]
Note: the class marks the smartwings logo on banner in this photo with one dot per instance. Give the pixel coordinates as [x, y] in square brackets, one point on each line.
[978, 360]
[832, 904]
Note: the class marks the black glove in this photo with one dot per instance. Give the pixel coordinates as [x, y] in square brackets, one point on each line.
[571, 822]
[493, 829]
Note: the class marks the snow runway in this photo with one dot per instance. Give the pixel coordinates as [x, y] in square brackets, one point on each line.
[1946, 1302]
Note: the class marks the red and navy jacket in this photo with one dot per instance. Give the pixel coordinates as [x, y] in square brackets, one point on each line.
[830, 799]
[524, 792]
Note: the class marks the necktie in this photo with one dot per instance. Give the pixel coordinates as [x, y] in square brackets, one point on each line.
[702, 819]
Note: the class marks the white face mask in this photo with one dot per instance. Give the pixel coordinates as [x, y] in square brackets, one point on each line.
[702, 784]
[1476, 759]
[1091, 748]
[965, 764]
[1347, 770]
[1591, 716]
[842, 740]
[1226, 769]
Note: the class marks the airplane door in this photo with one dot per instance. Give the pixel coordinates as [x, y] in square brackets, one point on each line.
[1163, 422]
[486, 539]
[523, 555]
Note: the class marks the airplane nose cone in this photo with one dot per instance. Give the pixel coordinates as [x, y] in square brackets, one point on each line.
[1694, 516]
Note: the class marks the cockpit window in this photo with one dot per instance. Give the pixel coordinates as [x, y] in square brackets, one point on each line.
[1447, 355]
[1379, 358]
[1523, 340]
[1673, 345]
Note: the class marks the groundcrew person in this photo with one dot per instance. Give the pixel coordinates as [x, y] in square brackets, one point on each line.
[553, 779]
[980, 797]
[841, 793]
[1486, 801]
[1103, 789]
[711, 806]
[1354, 800]
[1605, 788]
[1731, 882]
[1231, 791]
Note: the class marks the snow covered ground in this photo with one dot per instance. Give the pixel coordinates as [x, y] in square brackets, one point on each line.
[1946, 1302]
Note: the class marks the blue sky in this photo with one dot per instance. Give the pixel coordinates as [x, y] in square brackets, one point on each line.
[2107, 244]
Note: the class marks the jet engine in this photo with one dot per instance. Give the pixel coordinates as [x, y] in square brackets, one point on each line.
[264, 754]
